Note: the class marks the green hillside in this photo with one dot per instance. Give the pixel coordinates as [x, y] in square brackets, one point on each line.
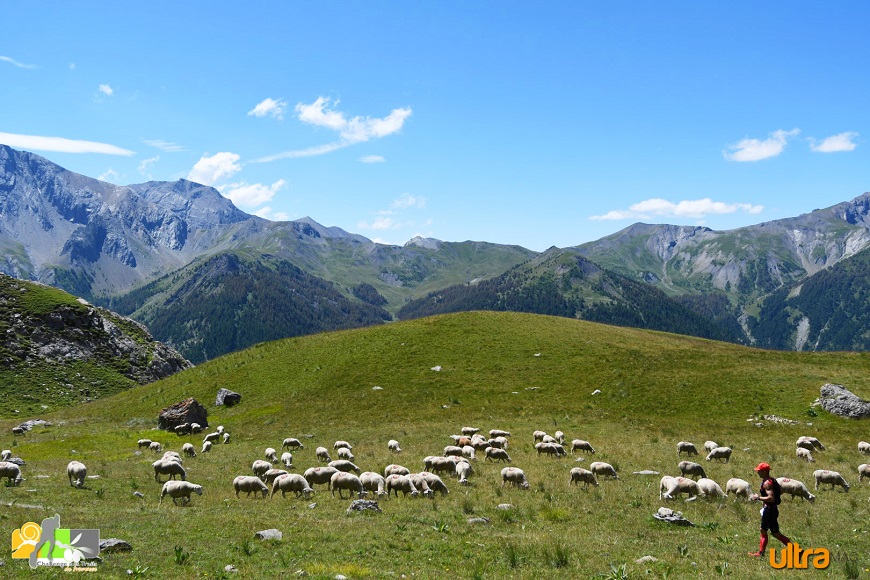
[497, 370]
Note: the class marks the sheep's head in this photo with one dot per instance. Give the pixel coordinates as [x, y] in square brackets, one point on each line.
[197, 490]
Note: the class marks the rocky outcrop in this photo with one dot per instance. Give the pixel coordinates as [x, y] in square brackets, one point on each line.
[838, 400]
[227, 397]
[186, 411]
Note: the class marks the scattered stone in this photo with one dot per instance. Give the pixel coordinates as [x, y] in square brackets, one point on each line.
[187, 411]
[93, 477]
[43, 476]
[361, 505]
[28, 425]
[537, 354]
[647, 560]
[646, 472]
[838, 400]
[270, 534]
[138, 494]
[596, 392]
[340, 577]
[311, 506]
[227, 398]
[301, 573]
[505, 506]
[579, 459]
[111, 545]
[668, 515]
[478, 521]
[377, 388]
[230, 568]
[436, 368]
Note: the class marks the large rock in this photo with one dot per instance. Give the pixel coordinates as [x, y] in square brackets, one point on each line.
[187, 411]
[110, 545]
[838, 400]
[227, 397]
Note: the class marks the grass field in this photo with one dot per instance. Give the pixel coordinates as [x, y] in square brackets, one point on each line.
[498, 370]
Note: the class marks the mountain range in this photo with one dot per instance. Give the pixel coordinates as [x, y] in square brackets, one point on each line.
[208, 278]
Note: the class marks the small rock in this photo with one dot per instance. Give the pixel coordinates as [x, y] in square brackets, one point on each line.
[646, 472]
[596, 392]
[227, 397]
[361, 505]
[270, 534]
[110, 545]
[93, 477]
[579, 459]
[478, 521]
[138, 494]
[42, 476]
[537, 354]
[505, 506]
[230, 568]
[436, 368]
[301, 573]
[377, 388]
[668, 515]
[646, 560]
[311, 506]
[340, 577]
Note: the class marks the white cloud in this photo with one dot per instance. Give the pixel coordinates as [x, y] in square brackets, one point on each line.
[210, 170]
[407, 200]
[144, 167]
[270, 107]
[14, 62]
[696, 209]
[166, 146]
[251, 194]
[110, 175]
[310, 152]
[275, 216]
[106, 90]
[835, 143]
[380, 223]
[72, 66]
[60, 144]
[756, 150]
[372, 159]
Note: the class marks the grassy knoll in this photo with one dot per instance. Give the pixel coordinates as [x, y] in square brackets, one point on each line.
[498, 370]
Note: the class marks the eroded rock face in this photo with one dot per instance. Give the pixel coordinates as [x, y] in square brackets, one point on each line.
[187, 411]
[840, 401]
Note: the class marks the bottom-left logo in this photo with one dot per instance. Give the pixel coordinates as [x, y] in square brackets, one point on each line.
[51, 545]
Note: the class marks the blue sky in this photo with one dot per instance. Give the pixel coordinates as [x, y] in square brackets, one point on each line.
[526, 123]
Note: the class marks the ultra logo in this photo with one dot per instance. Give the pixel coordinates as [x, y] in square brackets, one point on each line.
[793, 556]
[51, 545]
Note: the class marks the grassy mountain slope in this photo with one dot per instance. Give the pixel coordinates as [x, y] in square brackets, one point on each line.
[498, 370]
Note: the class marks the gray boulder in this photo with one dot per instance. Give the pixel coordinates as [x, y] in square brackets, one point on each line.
[187, 411]
[114, 545]
[270, 534]
[227, 398]
[838, 400]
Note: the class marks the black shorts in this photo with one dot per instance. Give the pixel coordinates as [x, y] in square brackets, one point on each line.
[770, 519]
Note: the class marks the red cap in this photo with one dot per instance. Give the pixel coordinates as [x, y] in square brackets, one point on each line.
[762, 467]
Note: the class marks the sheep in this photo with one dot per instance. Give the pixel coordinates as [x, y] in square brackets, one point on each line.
[195, 428]
[319, 475]
[670, 487]
[213, 437]
[397, 469]
[461, 440]
[287, 459]
[11, 471]
[689, 468]
[155, 447]
[794, 488]
[514, 476]
[403, 483]
[226, 438]
[864, 447]
[453, 450]
[188, 450]
[468, 452]
[686, 446]
[811, 441]
[553, 449]
[560, 437]
[832, 477]
[374, 483]
[582, 446]
[804, 453]
[19, 430]
[77, 471]
[272, 474]
[439, 464]
[548, 439]
[6, 455]
[710, 488]
[499, 433]
[179, 489]
[183, 429]
[250, 483]
[739, 487]
[602, 469]
[344, 465]
[579, 474]
[463, 470]
[434, 482]
[206, 446]
[342, 444]
[344, 453]
[469, 430]
[172, 456]
[220, 428]
[480, 445]
[322, 454]
[393, 446]
[863, 471]
[170, 468]
[292, 443]
[719, 453]
[291, 482]
[144, 443]
[539, 435]
[495, 454]
[271, 454]
[501, 442]
[260, 467]
[421, 484]
[710, 446]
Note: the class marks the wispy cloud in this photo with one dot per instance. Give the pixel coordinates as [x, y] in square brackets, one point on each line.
[407, 200]
[251, 194]
[145, 166]
[756, 149]
[60, 144]
[835, 143]
[107, 90]
[110, 175]
[269, 107]
[372, 159]
[696, 209]
[14, 62]
[166, 146]
[388, 219]
[275, 216]
[210, 170]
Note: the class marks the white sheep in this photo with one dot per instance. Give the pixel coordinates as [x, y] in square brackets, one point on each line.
[206, 446]
[601, 468]
[453, 450]
[719, 453]
[170, 468]
[322, 453]
[144, 443]
[810, 443]
[670, 487]
[344, 465]
[249, 484]
[179, 489]
[864, 447]
[292, 443]
[195, 428]
[319, 475]
[710, 488]
[272, 474]
[439, 464]
[393, 446]
[394, 468]
[468, 452]
[435, 483]
[463, 470]
[863, 471]
[260, 467]
[501, 442]
[548, 439]
[291, 482]
[271, 455]
[213, 437]
[739, 487]
[155, 447]
[560, 437]
[832, 477]
[172, 456]
[687, 447]
[498, 433]
[495, 454]
[220, 428]
[11, 471]
[794, 488]
[804, 453]
[226, 438]
[183, 429]
[539, 435]
[710, 446]
[374, 483]
[421, 485]
[188, 450]
[578, 475]
[6, 455]
[514, 476]
[77, 471]
[469, 430]
[552, 449]
[287, 459]
[403, 483]
[480, 445]
[344, 453]
[582, 446]
[342, 445]
[692, 469]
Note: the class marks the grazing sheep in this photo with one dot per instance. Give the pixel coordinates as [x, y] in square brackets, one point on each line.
[453, 450]
[710, 446]
[155, 447]
[322, 454]
[832, 477]
[6, 455]
[548, 439]
[469, 431]
[291, 482]
[811, 441]
[344, 465]
[226, 438]
[344, 453]
[422, 486]
[670, 487]
[863, 471]
[480, 445]
[206, 446]
[272, 474]
[502, 442]
[864, 447]
[183, 429]
[719, 453]
[553, 449]
[19, 430]
[393, 446]
[461, 440]
[271, 454]
[213, 437]
[374, 483]
[582, 446]
[514, 476]
[12, 472]
[292, 443]
[468, 452]
[578, 474]
[710, 488]
[319, 475]
[439, 464]
[396, 469]
[495, 454]
[498, 433]
[172, 456]
[170, 468]
[539, 435]
[342, 445]
[287, 459]
[195, 428]
[77, 471]
[560, 437]
[794, 488]
[260, 467]
[600, 468]
[179, 489]
[690, 468]
[403, 483]
[739, 487]
[249, 484]
[687, 447]
[144, 443]
[804, 453]
[463, 470]
[434, 482]
[188, 450]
